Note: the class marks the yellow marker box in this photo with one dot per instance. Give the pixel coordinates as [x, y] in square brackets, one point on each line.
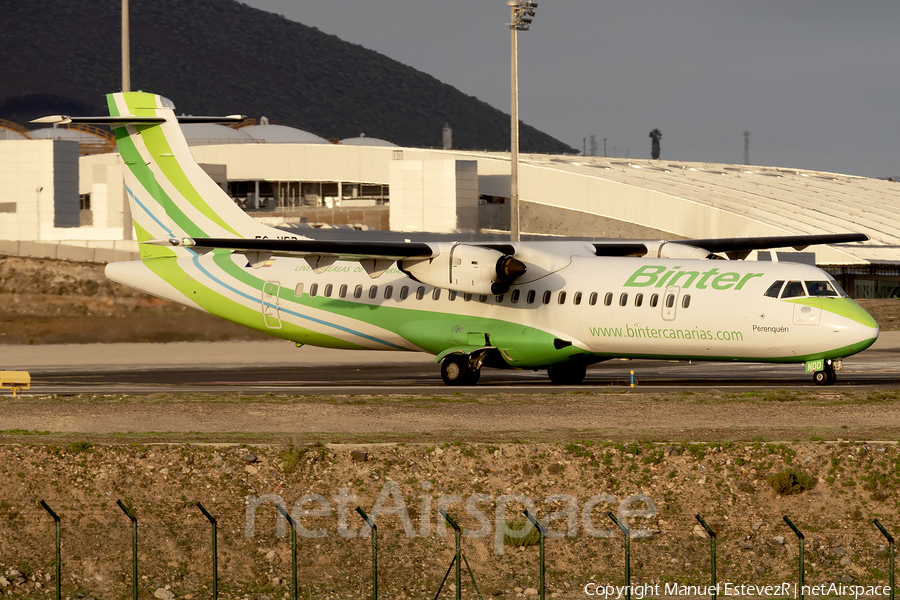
[15, 381]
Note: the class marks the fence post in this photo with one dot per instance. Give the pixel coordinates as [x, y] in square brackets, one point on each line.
[627, 554]
[456, 561]
[541, 532]
[293, 550]
[890, 540]
[58, 561]
[801, 538]
[712, 554]
[215, 555]
[134, 538]
[374, 529]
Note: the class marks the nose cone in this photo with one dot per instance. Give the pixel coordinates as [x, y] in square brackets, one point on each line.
[852, 318]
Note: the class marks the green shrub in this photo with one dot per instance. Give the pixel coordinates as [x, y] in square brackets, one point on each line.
[79, 447]
[791, 481]
[514, 533]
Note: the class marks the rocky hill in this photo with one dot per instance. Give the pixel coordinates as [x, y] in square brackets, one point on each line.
[222, 57]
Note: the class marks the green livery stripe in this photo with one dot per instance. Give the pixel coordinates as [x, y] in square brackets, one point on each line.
[843, 307]
[150, 250]
[430, 331]
[135, 163]
[216, 304]
[156, 143]
[800, 358]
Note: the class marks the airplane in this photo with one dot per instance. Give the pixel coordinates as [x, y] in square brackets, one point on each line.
[557, 306]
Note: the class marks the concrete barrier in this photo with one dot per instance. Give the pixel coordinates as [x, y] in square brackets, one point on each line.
[37, 250]
[65, 252]
[76, 253]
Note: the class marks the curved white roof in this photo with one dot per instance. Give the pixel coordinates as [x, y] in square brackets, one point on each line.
[9, 134]
[282, 134]
[61, 133]
[205, 134]
[362, 140]
[679, 199]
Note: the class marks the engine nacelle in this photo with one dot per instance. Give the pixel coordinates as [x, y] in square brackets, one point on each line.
[465, 268]
[676, 250]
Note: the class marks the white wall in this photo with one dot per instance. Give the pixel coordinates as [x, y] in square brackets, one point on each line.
[434, 195]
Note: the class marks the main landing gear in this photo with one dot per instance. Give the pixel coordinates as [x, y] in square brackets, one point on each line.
[460, 369]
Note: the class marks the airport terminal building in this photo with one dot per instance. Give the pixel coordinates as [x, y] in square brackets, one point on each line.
[63, 197]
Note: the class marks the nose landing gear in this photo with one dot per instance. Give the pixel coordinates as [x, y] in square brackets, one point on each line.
[827, 375]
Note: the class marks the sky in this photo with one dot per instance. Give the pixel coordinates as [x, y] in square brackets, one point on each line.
[815, 82]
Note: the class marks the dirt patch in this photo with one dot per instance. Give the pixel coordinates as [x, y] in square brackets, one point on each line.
[654, 489]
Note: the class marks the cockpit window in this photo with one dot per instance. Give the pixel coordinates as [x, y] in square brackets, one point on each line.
[793, 289]
[820, 288]
[773, 290]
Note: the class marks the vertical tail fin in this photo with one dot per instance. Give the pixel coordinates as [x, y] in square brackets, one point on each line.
[169, 193]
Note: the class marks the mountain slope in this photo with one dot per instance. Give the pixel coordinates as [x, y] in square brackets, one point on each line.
[222, 57]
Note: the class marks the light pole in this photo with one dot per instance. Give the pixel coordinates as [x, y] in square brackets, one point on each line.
[521, 14]
[126, 49]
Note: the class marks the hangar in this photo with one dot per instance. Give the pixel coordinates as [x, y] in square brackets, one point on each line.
[288, 179]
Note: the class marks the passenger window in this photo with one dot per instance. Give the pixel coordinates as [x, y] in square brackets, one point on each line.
[562, 298]
[420, 293]
[313, 290]
[373, 291]
[482, 298]
[607, 299]
[623, 299]
[499, 299]
[670, 300]
[327, 292]
[451, 295]
[388, 291]
[593, 299]
[638, 299]
[654, 300]
[576, 299]
[530, 297]
[357, 292]
[404, 292]
[820, 288]
[435, 295]
[773, 290]
[793, 289]
[686, 301]
[467, 297]
[546, 298]
[342, 292]
[298, 291]
[515, 297]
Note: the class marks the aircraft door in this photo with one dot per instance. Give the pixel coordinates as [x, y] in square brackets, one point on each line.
[670, 302]
[270, 310]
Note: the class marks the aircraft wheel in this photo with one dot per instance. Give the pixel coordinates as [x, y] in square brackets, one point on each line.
[567, 374]
[824, 377]
[455, 370]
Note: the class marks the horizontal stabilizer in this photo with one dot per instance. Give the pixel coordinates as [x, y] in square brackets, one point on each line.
[123, 120]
